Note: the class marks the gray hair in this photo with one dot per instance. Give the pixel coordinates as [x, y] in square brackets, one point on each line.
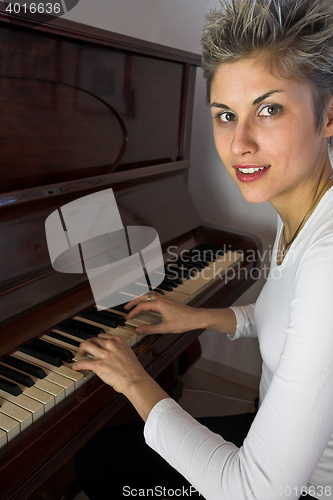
[295, 37]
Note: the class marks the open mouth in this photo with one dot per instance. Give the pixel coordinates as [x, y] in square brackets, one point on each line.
[251, 170]
[250, 174]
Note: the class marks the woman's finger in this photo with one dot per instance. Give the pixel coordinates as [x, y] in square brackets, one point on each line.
[92, 346]
[83, 364]
[156, 304]
[147, 297]
[106, 336]
[162, 327]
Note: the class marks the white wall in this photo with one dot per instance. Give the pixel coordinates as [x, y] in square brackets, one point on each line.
[178, 23]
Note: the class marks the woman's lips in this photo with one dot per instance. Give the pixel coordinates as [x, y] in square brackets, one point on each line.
[255, 172]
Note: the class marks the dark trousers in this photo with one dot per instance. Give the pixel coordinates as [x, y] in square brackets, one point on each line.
[117, 463]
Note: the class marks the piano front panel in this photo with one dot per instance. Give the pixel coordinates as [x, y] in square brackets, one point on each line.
[70, 79]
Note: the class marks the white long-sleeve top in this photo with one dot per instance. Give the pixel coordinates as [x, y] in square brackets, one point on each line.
[290, 443]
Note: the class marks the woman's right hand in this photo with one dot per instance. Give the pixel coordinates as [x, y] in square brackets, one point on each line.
[176, 318]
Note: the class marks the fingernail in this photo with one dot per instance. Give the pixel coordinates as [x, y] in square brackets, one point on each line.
[139, 330]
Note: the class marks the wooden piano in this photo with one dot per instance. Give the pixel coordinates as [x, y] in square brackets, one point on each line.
[84, 110]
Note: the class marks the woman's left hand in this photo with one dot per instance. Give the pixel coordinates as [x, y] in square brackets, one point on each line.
[113, 361]
[116, 364]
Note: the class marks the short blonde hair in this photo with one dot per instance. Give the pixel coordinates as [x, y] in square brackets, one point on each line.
[295, 35]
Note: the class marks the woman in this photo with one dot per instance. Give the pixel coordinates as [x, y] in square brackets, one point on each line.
[269, 70]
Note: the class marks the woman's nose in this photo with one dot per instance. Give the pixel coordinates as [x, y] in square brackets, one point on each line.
[243, 140]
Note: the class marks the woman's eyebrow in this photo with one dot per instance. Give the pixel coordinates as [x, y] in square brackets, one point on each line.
[255, 102]
[218, 105]
[263, 97]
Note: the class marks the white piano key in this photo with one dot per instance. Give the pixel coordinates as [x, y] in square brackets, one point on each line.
[50, 388]
[31, 405]
[182, 298]
[56, 379]
[128, 331]
[130, 337]
[10, 426]
[55, 391]
[24, 417]
[216, 270]
[60, 343]
[69, 335]
[35, 392]
[146, 317]
[61, 381]
[3, 438]
[63, 370]
[40, 395]
[87, 375]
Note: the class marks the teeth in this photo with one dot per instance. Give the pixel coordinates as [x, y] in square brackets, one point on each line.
[251, 170]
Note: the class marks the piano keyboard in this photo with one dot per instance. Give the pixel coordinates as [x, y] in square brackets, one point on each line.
[39, 376]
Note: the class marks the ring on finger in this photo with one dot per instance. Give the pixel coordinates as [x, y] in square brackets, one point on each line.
[150, 295]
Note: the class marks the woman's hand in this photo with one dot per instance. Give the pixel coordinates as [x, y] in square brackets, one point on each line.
[116, 364]
[113, 361]
[176, 318]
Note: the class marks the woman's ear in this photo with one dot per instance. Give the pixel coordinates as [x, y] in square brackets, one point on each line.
[328, 122]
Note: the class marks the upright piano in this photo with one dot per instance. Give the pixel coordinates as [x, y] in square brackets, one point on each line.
[84, 110]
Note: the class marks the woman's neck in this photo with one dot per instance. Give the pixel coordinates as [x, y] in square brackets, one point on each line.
[294, 207]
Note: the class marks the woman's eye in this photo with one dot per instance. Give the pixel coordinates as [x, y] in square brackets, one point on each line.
[227, 116]
[270, 110]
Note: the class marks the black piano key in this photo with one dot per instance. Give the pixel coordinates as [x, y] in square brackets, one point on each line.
[184, 272]
[79, 329]
[163, 286]
[201, 263]
[10, 387]
[159, 291]
[109, 314]
[58, 336]
[53, 350]
[36, 352]
[25, 366]
[202, 260]
[98, 318]
[174, 278]
[171, 282]
[175, 267]
[190, 265]
[121, 308]
[20, 378]
[85, 327]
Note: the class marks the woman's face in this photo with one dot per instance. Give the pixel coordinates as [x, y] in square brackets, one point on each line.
[264, 130]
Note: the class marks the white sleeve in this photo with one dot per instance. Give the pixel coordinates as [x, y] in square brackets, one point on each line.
[246, 326]
[294, 423]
